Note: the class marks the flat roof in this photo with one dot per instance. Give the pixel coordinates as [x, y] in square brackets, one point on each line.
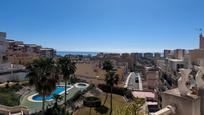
[175, 92]
[32, 45]
[46, 49]
[21, 45]
[152, 103]
[175, 60]
[142, 94]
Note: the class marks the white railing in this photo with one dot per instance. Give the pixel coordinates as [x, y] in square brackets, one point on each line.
[18, 109]
[165, 111]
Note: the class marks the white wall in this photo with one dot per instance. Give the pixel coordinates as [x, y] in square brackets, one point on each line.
[15, 76]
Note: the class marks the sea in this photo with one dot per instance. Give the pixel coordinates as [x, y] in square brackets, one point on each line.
[63, 53]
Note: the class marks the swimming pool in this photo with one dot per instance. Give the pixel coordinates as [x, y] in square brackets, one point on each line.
[81, 86]
[58, 91]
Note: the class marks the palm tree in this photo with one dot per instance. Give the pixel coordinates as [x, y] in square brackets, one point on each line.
[132, 108]
[67, 68]
[111, 80]
[42, 77]
[107, 66]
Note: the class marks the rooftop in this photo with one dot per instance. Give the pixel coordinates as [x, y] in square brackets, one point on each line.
[175, 60]
[46, 48]
[143, 94]
[176, 92]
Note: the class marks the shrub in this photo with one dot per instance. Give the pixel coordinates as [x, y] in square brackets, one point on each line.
[92, 102]
[102, 109]
[116, 90]
[16, 87]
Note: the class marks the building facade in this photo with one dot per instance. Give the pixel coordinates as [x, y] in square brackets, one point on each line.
[179, 53]
[157, 55]
[17, 52]
[3, 47]
[201, 41]
[167, 53]
[148, 55]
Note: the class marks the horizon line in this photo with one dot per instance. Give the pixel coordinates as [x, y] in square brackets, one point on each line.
[109, 51]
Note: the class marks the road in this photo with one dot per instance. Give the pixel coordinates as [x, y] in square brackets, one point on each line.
[131, 84]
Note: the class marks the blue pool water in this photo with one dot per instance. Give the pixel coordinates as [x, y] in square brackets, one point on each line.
[58, 90]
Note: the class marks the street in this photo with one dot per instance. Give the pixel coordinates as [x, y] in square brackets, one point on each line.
[134, 82]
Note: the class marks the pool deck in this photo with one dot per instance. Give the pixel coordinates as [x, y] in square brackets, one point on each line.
[37, 106]
[30, 98]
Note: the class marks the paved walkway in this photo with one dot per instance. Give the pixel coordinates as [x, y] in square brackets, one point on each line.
[37, 106]
[4, 84]
[17, 110]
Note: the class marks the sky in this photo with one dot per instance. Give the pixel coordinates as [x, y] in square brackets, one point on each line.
[104, 25]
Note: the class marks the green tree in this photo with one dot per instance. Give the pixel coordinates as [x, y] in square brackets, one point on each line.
[67, 68]
[107, 66]
[41, 75]
[132, 108]
[111, 79]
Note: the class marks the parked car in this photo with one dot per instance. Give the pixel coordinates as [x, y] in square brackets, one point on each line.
[136, 80]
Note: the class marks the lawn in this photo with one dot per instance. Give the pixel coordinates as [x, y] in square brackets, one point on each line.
[8, 95]
[117, 101]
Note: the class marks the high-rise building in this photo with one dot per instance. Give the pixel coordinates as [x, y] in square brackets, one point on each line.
[201, 41]
[179, 53]
[148, 55]
[3, 46]
[167, 53]
[139, 55]
[157, 55]
[2, 42]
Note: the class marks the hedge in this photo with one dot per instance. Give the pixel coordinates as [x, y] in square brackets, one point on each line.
[116, 90]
